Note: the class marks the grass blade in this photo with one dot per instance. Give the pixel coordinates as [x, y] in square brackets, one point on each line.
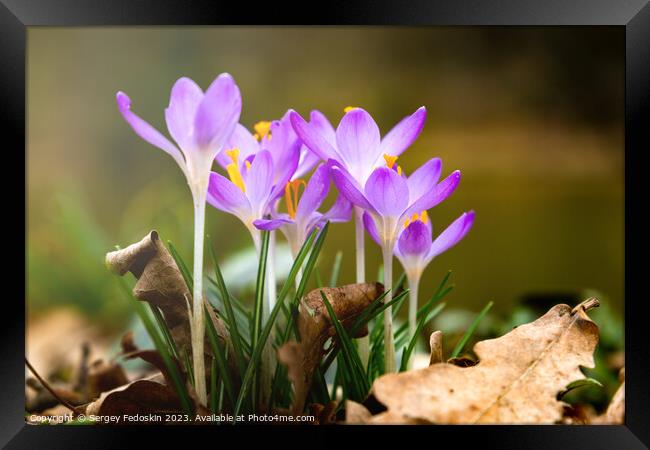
[468, 333]
[336, 269]
[219, 357]
[185, 271]
[230, 313]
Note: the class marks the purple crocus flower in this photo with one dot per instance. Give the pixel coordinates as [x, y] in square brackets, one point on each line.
[251, 191]
[389, 198]
[302, 215]
[200, 123]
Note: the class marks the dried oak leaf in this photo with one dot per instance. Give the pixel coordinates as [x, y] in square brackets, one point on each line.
[139, 397]
[161, 284]
[315, 329]
[103, 376]
[516, 379]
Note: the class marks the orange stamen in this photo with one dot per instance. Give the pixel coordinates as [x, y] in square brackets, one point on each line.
[291, 196]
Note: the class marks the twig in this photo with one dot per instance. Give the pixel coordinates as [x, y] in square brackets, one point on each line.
[47, 386]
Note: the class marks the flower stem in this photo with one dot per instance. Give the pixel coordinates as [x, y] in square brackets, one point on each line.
[364, 342]
[198, 324]
[389, 345]
[413, 306]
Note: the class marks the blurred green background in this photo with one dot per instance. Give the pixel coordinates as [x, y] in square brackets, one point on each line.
[533, 117]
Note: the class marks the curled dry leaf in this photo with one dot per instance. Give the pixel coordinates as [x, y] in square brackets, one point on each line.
[516, 379]
[139, 397]
[103, 376]
[161, 284]
[435, 342]
[315, 328]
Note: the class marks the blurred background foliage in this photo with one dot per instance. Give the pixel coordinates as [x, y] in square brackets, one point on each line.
[532, 116]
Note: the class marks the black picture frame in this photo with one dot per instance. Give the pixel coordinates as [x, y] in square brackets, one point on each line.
[633, 15]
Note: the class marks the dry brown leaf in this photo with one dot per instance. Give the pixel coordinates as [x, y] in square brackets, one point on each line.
[103, 376]
[161, 284]
[615, 413]
[435, 343]
[139, 397]
[516, 380]
[315, 328]
[356, 413]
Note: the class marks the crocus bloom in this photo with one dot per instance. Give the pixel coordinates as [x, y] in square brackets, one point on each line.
[251, 191]
[200, 123]
[302, 215]
[390, 198]
[415, 248]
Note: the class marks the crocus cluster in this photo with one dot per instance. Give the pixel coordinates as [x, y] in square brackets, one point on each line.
[260, 180]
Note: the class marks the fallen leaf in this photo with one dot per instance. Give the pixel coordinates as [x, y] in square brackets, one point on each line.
[315, 328]
[356, 413]
[615, 413]
[139, 397]
[103, 376]
[435, 343]
[516, 380]
[161, 284]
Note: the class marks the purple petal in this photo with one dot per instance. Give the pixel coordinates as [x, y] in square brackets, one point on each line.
[284, 147]
[371, 227]
[259, 179]
[241, 139]
[284, 171]
[218, 113]
[453, 234]
[224, 195]
[415, 239]
[310, 136]
[341, 210]
[387, 192]
[315, 192]
[347, 186]
[146, 131]
[308, 158]
[424, 179]
[270, 224]
[430, 199]
[183, 102]
[404, 133]
[357, 140]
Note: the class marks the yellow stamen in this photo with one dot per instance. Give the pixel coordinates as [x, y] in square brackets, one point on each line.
[347, 109]
[248, 165]
[262, 128]
[425, 216]
[407, 222]
[399, 170]
[291, 195]
[390, 160]
[233, 168]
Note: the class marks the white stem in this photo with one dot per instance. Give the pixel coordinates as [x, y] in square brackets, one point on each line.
[389, 345]
[364, 342]
[413, 308]
[198, 324]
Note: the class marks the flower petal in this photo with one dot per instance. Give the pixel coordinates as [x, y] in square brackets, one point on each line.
[387, 192]
[259, 181]
[415, 239]
[431, 198]
[310, 136]
[224, 195]
[147, 132]
[404, 133]
[270, 224]
[357, 140]
[424, 179]
[184, 100]
[315, 192]
[217, 114]
[241, 139]
[371, 227]
[341, 210]
[284, 171]
[452, 234]
[348, 186]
